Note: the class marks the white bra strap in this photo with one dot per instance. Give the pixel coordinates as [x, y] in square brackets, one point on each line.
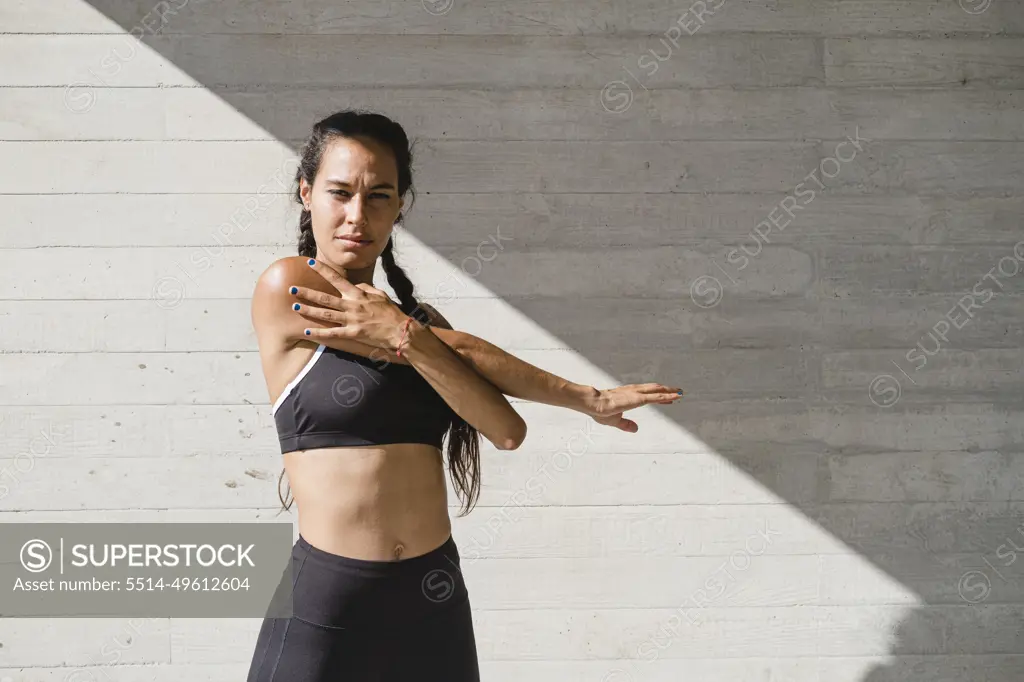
[295, 382]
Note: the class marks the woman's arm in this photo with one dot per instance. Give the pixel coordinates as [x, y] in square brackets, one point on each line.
[520, 379]
[471, 396]
[512, 376]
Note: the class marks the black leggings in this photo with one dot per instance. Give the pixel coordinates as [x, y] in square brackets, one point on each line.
[370, 621]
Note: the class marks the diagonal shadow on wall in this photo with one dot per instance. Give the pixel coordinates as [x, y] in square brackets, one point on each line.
[768, 386]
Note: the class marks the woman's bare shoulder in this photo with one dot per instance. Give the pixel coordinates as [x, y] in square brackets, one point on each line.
[280, 273]
[274, 282]
[272, 316]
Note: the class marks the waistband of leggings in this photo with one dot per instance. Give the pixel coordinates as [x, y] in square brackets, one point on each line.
[446, 553]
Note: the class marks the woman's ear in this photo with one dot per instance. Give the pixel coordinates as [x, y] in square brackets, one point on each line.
[305, 192]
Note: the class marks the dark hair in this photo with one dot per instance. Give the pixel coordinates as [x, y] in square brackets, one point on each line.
[463, 439]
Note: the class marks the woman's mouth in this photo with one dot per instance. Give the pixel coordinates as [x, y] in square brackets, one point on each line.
[351, 241]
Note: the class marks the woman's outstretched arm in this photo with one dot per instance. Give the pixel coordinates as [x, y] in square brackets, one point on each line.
[512, 376]
[519, 379]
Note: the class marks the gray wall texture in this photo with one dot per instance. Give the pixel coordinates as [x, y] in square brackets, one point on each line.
[808, 213]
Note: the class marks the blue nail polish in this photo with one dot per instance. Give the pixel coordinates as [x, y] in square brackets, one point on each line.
[294, 290]
[312, 262]
[295, 306]
[679, 392]
[307, 332]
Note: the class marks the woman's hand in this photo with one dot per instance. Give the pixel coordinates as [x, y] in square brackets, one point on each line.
[607, 406]
[362, 313]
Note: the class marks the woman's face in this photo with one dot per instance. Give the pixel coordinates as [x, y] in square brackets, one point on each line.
[354, 195]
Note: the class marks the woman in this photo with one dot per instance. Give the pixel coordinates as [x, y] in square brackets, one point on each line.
[363, 390]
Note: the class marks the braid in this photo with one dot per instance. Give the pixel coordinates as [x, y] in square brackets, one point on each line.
[307, 245]
[400, 282]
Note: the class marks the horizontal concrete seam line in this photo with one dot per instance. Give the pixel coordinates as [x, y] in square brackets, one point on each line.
[254, 351]
[514, 401]
[814, 84]
[674, 350]
[882, 655]
[937, 298]
[137, 664]
[792, 244]
[803, 508]
[531, 659]
[271, 89]
[163, 194]
[820, 605]
[965, 196]
[565, 141]
[975, 34]
[735, 657]
[824, 241]
[258, 245]
[894, 452]
[851, 555]
[1009, 606]
[1014, 606]
[482, 85]
[848, 192]
[1004, 195]
[596, 140]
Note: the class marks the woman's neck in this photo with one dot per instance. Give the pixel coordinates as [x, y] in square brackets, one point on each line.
[354, 275]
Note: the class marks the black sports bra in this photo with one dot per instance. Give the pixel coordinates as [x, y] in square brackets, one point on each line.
[344, 399]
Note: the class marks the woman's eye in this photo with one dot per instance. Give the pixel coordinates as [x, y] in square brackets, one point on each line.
[341, 192]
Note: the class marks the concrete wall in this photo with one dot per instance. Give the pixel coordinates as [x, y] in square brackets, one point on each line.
[829, 502]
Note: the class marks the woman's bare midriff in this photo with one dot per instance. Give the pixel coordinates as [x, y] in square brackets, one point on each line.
[379, 503]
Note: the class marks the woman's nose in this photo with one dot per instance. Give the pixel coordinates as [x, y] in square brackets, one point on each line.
[354, 209]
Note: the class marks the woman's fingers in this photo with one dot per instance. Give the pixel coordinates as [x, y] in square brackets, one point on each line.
[335, 317]
[667, 394]
[646, 395]
[336, 278]
[654, 388]
[332, 333]
[656, 392]
[318, 297]
[656, 399]
[370, 289]
[618, 421]
[627, 425]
